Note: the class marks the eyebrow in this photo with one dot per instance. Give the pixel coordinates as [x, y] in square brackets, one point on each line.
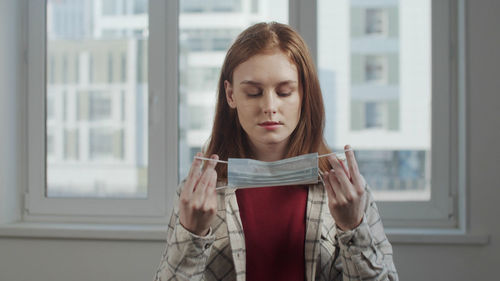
[254, 83]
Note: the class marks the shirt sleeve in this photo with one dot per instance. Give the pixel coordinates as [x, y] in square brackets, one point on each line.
[186, 254]
[364, 253]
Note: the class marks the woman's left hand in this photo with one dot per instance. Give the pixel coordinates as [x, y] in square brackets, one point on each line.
[346, 191]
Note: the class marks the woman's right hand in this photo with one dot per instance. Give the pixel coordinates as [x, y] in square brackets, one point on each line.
[198, 199]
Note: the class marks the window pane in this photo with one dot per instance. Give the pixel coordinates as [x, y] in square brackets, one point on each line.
[97, 92]
[374, 62]
[207, 29]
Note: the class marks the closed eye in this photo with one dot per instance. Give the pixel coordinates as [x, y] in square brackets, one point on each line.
[254, 94]
[284, 94]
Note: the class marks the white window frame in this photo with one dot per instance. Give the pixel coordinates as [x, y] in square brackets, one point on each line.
[162, 168]
[446, 209]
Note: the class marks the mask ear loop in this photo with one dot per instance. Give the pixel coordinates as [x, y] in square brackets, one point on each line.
[210, 159]
[219, 161]
[320, 175]
[340, 156]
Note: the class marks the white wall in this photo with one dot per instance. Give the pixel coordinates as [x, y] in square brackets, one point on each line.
[54, 259]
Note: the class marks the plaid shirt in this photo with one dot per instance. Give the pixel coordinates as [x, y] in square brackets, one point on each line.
[363, 253]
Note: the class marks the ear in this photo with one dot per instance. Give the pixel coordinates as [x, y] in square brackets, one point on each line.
[229, 94]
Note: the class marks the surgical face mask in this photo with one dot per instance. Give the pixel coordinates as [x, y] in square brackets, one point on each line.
[299, 170]
[243, 172]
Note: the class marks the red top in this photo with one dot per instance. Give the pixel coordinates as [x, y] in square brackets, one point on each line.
[274, 223]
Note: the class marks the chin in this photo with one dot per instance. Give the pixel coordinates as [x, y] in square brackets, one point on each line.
[273, 140]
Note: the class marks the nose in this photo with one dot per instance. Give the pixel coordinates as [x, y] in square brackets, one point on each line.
[269, 103]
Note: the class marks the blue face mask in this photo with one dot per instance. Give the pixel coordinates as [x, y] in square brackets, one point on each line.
[299, 170]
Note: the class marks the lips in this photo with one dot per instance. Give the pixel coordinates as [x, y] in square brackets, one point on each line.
[270, 123]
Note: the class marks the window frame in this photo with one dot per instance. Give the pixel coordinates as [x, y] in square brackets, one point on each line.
[446, 209]
[152, 209]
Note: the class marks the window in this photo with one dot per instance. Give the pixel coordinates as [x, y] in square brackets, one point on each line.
[112, 7]
[98, 120]
[105, 144]
[137, 100]
[211, 6]
[123, 68]
[380, 78]
[50, 107]
[50, 144]
[100, 104]
[71, 146]
[110, 67]
[375, 69]
[375, 115]
[203, 45]
[375, 21]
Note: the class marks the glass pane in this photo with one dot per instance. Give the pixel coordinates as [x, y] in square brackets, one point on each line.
[97, 93]
[374, 61]
[207, 28]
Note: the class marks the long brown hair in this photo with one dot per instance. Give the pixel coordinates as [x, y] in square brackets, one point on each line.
[228, 138]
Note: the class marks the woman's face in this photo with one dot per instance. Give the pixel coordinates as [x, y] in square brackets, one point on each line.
[266, 95]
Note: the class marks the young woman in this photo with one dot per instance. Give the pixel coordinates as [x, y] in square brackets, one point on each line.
[270, 108]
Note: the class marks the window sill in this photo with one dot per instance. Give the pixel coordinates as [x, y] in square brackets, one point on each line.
[435, 236]
[158, 233]
[84, 231]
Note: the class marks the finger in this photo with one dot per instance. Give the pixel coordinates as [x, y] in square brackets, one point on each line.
[210, 164]
[345, 184]
[210, 190]
[346, 170]
[356, 177]
[199, 191]
[339, 170]
[351, 161]
[194, 174]
[328, 186]
[336, 186]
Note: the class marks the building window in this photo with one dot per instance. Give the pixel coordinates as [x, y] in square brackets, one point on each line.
[140, 6]
[376, 69]
[205, 6]
[100, 143]
[71, 144]
[50, 107]
[100, 106]
[375, 115]
[50, 144]
[112, 7]
[376, 21]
